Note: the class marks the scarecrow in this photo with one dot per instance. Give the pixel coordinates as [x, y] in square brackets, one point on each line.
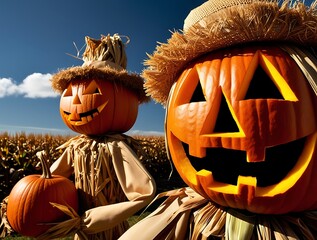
[100, 100]
[239, 87]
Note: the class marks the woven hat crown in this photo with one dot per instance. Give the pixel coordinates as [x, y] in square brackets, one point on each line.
[209, 8]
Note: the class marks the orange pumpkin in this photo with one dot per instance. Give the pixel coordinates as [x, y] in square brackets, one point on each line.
[241, 130]
[29, 211]
[96, 107]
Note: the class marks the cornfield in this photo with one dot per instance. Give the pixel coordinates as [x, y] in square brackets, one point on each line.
[18, 158]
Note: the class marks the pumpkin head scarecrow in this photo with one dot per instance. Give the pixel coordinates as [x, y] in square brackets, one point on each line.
[100, 100]
[239, 86]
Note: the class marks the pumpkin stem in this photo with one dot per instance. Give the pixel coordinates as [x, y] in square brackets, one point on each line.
[43, 159]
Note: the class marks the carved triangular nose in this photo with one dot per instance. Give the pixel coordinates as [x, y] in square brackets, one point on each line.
[225, 122]
[76, 100]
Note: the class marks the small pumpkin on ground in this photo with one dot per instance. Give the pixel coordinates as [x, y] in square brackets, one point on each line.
[29, 209]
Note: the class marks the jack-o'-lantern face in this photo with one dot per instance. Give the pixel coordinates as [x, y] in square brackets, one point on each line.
[95, 107]
[241, 130]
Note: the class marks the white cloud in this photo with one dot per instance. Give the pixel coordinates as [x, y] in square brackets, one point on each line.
[36, 85]
[8, 87]
[145, 133]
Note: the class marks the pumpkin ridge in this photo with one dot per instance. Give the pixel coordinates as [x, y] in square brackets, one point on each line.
[28, 206]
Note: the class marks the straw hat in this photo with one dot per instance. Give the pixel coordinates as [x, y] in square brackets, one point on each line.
[219, 24]
[103, 59]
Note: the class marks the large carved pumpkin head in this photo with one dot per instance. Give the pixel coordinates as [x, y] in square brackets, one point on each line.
[241, 120]
[101, 96]
[242, 130]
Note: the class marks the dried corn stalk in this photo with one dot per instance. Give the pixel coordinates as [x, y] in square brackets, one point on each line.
[5, 228]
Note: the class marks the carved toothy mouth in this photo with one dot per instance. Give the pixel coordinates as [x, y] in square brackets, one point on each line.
[84, 117]
[227, 165]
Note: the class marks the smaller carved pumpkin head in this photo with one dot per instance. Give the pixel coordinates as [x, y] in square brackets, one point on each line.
[100, 97]
[95, 107]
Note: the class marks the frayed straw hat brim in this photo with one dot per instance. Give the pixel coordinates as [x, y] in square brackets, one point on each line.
[131, 81]
[250, 21]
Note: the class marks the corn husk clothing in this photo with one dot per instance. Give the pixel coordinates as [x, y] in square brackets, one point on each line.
[5, 228]
[112, 185]
[187, 215]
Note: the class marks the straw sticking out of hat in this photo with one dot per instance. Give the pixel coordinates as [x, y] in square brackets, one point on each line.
[103, 59]
[219, 24]
[108, 51]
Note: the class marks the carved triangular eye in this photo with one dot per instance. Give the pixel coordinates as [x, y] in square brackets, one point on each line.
[92, 88]
[264, 81]
[68, 92]
[261, 86]
[198, 95]
[225, 122]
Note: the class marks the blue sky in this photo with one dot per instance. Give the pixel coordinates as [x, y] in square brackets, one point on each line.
[36, 36]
